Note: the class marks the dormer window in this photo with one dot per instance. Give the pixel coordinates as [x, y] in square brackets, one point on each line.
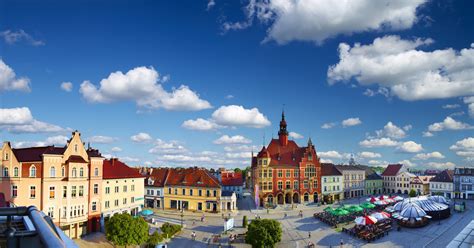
[75, 147]
[310, 157]
[264, 162]
[6, 156]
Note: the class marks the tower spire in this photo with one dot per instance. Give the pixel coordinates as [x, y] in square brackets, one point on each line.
[283, 133]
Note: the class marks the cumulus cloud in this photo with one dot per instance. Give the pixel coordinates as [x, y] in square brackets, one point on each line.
[201, 125]
[392, 131]
[240, 148]
[234, 115]
[127, 159]
[246, 155]
[142, 85]
[318, 20]
[451, 106]
[428, 134]
[99, 139]
[378, 163]
[210, 4]
[410, 147]
[464, 148]
[438, 165]
[407, 163]
[351, 122]
[9, 81]
[53, 140]
[448, 124]
[295, 135]
[332, 154]
[20, 120]
[141, 138]
[429, 75]
[116, 149]
[12, 37]
[323, 160]
[66, 86]
[328, 125]
[167, 147]
[236, 139]
[470, 105]
[378, 142]
[369, 155]
[431, 155]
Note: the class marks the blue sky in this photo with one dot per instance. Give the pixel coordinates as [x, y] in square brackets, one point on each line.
[205, 81]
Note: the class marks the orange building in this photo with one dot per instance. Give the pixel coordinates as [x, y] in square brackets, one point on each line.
[284, 173]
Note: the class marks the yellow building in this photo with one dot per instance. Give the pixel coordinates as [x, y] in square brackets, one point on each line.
[122, 190]
[192, 189]
[421, 184]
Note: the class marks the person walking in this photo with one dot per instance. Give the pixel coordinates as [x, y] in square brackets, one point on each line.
[309, 235]
[342, 243]
[193, 235]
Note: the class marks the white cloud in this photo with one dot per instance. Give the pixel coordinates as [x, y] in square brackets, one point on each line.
[431, 155]
[20, 120]
[229, 97]
[12, 37]
[142, 85]
[234, 115]
[428, 134]
[470, 105]
[101, 139]
[66, 86]
[116, 149]
[201, 125]
[331, 154]
[236, 139]
[369, 155]
[246, 155]
[407, 127]
[378, 163]
[410, 147]
[351, 122]
[464, 148]
[295, 135]
[148, 163]
[9, 81]
[437, 165]
[378, 142]
[328, 125]
[318, 20]
[15, 116]
[451, 106]
[167, 147]
[407, 163]
[391, 130]
[185, 158]
[428, 75]
[53, 140]
[210, 4]
[127, 159]
[323, 160]
[240, 148]
[459, 113]
[141, 138]
[448, 124]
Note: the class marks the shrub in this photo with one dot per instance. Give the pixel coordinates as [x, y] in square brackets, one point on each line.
[263, 233]
[154, 239]
[123, 229]
[170, 229]
[244, 221]
[412, 193]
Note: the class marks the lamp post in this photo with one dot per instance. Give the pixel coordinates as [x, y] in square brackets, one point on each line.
[439, 215]
[182, 213]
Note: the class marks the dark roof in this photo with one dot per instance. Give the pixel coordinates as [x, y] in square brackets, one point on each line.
[373, 176]
[93, 153]
[328, 169]
[76, 159]
[232, 179]
[158, 175]
[115, 169]
[193, 176]
[226, 193]
[445, 176]
[392, 170]
[34, 154]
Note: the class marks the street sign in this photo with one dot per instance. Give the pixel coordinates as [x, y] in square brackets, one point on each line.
[228, 224]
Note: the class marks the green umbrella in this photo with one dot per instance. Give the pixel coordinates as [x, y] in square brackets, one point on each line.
[340, 212]
[356, 209]
[347, 207]
[328, 209]
[367, 205]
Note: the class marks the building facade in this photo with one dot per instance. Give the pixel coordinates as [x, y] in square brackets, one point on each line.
[231, 181]
[442, 184]
[391, 181]
[420, 184]
[122, 190]
[60, 181]
[284, 173]
[464, 183]
[154, 187]
[332, 184]
[373, 184]
[354, 180]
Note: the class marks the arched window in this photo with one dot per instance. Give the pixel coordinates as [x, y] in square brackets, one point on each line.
[81, 172]
[63, 171]
[32, 171]
[5, 172]
[15, 172]
[75, 147]
[52, 171]
[96, 172]
[74, 172]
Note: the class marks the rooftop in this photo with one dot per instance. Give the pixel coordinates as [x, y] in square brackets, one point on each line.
[392, 170]
[115, 169]
[328, 169]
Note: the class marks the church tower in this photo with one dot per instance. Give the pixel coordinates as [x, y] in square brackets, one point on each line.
[283, 133]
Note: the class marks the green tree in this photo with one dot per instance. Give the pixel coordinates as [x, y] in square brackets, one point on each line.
[155, 239]
[237, 170]
[244, 221]
[412, 193]
[123, 229]
[170, 229]
[263, 233]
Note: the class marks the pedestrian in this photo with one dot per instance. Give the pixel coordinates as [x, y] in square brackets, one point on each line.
[309, 235]
[194, 222]
[193, 235]
[342, 243]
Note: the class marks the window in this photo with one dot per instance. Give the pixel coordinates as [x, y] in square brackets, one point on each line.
[288, 173]
[264, 162]
[132, 200]
[325, 189]
[265, 173]
[270, 186]
[32, 192]
[6, 156]
[324, 179]
[33, 171]
[107, 204]
[280, 185]
[260, 173]
[190, 192]
[96, 189]
[310, 157]
[116, 203]
[81, 172]
[51, 192]
[305, 184]
[81, 190]
[75, 147]
[310, 171]
[107, 190]
[183, 191]
[51, 212]
[175, 191]
[15, 172]
[264, 186]
[74, 172]
[52, 172]
[64, 212]
[215, 193]
[5, 171]
[116, 189]
[125, 188]
[132, 187]
[200, 192]
[73, 191]
[296, 173]
[94, 206]
[63, 171]
[169, 191]
[96, 172]
[64, 191]
[280, 173]
[288, 185]
[124, 201]
[208, 193]
[295, 185]
[14, 191]
[315, 184]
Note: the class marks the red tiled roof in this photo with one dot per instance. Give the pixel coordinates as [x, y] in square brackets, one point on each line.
[231, 178]
[158, 175]
[392, 170]
[328, 169]
[291, 154]
[33, 154]
[193, 176]
[115, 169]
[445, 176]
[76, 159]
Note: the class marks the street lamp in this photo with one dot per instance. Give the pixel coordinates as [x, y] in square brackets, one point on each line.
[439, 215]
[182, 213]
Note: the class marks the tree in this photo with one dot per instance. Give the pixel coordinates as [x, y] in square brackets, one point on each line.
[263, 233]
[237, 170]
[170, 229]
[155, 239]
[412, 193]
[244, 221]
[123, 229]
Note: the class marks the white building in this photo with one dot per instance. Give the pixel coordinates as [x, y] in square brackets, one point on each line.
[443, 184]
